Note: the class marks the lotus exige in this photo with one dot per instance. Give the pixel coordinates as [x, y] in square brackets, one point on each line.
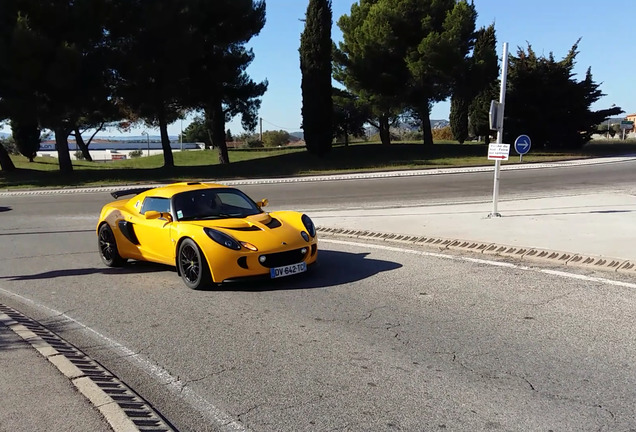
[211, 233]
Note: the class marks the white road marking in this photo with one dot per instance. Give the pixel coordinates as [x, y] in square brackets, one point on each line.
[482, 261]
[179, 388]
[222, 418]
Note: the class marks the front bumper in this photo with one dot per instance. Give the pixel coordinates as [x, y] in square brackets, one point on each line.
[245, 264]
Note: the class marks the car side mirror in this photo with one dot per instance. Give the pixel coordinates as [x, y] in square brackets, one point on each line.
[152, 214]
[262, 203]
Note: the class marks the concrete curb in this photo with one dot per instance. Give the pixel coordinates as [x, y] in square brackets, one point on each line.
[114, 415]
[617, 265]
[118, 417]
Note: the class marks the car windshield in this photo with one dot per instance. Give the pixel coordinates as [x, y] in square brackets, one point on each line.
[213, 203]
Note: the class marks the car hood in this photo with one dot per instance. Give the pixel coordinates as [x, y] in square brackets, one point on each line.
[265, 230]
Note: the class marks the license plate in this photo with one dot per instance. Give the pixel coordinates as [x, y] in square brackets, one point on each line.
[287, 270]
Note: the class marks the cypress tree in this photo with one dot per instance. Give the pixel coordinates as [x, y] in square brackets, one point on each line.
[476, 75]
[315, 65]
[485, 71]
[459, 118]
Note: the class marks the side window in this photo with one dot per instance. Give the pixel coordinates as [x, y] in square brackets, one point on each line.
[155, 203]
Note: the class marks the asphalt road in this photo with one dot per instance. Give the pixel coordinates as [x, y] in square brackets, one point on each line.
[470, 186]
[373, 338]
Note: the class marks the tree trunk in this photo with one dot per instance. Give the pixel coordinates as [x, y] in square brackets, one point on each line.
[82, 145]
[6, 164]
[208, 129]
[385, 131]
[427, 132]
[217, 118]
[168, 159]
[63, 155]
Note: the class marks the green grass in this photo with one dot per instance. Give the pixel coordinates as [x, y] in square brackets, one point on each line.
[203, 165]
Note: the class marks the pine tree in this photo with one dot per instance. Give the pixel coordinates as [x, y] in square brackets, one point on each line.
[315, 65]
[371, 72]
[27, 137]
[546, 102]
[403, 55]
[6, 164]
[217, 60]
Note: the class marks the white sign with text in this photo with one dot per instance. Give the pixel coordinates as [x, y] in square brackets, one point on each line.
[498, 151]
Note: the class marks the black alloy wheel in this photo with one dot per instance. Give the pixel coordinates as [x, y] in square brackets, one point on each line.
[192, 265]
[108, 247]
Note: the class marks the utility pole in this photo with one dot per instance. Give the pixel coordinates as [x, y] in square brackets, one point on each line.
[261, 130]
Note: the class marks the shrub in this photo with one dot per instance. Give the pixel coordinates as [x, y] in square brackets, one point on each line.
[9, 144]
[443, 134]
[254, 143]
[412, 136]
[136, 153]
[275, 138]
[79, 155]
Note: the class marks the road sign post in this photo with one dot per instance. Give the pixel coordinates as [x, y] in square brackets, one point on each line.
[522, 145]
[500, 114]
[626, 125]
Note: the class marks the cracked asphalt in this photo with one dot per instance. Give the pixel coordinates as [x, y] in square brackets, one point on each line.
[374, 338]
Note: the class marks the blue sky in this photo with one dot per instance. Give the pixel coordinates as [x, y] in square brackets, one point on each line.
[607, 46]
[549, 26]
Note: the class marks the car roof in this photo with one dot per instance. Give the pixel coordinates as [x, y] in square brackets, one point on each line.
[172, 189]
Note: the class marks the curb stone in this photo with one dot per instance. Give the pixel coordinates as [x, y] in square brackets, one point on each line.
[545, 256]
[121, 407]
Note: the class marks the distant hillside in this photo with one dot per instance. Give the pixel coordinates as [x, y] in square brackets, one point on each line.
[438, 124]
[435, 124]
[135, 138]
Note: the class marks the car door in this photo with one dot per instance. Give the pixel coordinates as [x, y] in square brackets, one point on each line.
[154, 235]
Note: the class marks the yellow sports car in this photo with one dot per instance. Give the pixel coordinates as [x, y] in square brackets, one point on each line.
[211, 233]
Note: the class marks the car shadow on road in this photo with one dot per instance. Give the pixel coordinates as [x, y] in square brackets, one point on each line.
[332, 268]
[5, 209]
[130, 267]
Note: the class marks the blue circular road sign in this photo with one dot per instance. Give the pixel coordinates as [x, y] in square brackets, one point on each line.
[522, 144]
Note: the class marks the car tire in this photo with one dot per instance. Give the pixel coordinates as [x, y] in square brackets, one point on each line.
[108, 247]
[193, 266]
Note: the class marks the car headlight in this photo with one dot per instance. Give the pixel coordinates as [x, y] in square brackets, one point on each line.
[304, 235]
[222, 239]
[309, 225]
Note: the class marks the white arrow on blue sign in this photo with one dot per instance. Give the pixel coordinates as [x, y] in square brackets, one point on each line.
[522, 144]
